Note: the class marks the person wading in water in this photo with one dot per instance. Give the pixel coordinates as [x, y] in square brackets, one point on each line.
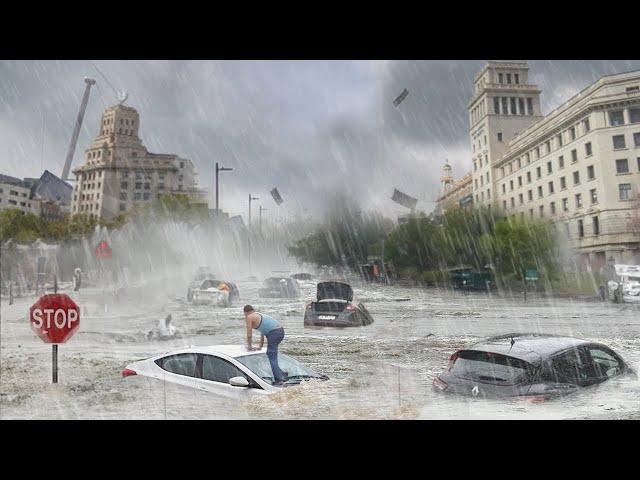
[270, 328]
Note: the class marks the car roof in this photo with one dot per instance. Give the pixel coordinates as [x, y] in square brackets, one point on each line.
[233, 351]
[529, 347]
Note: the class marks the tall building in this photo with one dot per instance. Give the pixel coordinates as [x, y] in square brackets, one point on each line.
[120, 172]
[579, 165]
[15, 193]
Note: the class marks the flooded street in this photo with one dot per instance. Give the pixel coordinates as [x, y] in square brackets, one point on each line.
[382, 371]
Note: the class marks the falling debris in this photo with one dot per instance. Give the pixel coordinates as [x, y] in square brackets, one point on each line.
[404, 199]
[401, 97]
[276, 196]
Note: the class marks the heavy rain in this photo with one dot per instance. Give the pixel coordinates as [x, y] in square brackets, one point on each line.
[436, 239]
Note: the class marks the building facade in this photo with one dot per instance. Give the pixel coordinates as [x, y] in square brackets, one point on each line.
[16, 193]
[120, 173]
[579, 165]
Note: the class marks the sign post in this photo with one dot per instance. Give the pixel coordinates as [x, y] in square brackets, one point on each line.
[530, 275]
[54, 318]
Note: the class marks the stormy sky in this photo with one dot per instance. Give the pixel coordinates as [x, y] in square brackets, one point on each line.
[311, 128]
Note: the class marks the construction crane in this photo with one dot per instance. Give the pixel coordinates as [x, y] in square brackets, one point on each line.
[76, 131]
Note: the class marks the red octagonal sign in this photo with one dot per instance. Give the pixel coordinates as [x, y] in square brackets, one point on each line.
[54, 318]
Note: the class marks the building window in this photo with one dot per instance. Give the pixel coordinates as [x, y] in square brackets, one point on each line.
[500, 136]
[161, 186]
[530, 195]
[618, 142]
[520, 181]
[123, 196]
[574, 156]
[146, 196]
[616, 118]
[508, 78]
[125, 174]
[513, 106]
[147, 186]
[634, 115]
[504, 204]
[587, 126]
[594, 196]
[526, 155]
[181, 164]
[521, 105]
[528, 177]
[510, 185]
[550, 188]
[559, 140]
[538, 172]
[587, 149]
[572, 133]
[580, 229]
[540, 191]
[622, 166]
[636, 139]
[541, 207]
[500, 78]
[548, 145]
[124, 185]
[138, 185]
[537, 153]
[516, 78]
[578, 200]
[565, 204]
[549, 168]
[638, 159]
[513, 202]
[487, 177]
[496, 105]
[123, 207]
[624, 190]
[596, 226]
[576, 178]
[529, 106]
[552, 207]
[504, 188]
[521, 198]
[505, 105]
[560, 162]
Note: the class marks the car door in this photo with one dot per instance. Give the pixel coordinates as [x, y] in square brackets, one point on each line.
[181, 368]
[215, 374]
[604, 363]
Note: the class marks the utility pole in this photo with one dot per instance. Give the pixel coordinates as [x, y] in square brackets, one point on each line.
[219, 169]
[251, 198]
[262, 209]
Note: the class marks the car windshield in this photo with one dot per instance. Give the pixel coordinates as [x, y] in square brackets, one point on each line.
[259, 364]
[490, 367]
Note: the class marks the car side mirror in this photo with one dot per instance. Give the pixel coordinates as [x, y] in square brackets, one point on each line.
[238, 382]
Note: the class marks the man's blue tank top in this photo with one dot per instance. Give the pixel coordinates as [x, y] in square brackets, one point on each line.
[267, 324]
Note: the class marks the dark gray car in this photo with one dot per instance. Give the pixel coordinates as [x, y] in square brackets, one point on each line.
[529, 366]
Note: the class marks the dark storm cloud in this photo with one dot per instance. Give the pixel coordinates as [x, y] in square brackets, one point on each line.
[311, 128]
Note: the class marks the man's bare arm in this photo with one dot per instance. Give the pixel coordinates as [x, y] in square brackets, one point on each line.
[249, 331]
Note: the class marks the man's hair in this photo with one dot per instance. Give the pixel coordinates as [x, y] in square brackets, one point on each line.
[248, 308]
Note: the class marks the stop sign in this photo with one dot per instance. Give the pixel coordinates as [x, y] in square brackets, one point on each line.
[54, 318]
[103, 250]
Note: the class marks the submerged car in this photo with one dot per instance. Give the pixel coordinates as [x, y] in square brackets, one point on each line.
[280, 287]
[227, 370]
[529, 366]
[207, 291]
[334, 308]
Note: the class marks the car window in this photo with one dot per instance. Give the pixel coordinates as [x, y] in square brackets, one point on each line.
[569, 367]
[219, 370]
[259, 364]
[605, 363]
[181, 364]
[490, 367]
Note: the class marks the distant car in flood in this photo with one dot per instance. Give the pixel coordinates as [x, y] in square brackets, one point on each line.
[206, 290]
[280, 287]
[530, 367]
[227, 370]
[302, 276]
[334, 308]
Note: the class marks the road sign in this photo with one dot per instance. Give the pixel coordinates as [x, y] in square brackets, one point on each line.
[531, 274]
[54, 318]
[103, 250]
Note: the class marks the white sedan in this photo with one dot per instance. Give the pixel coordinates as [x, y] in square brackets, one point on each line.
[228, 370]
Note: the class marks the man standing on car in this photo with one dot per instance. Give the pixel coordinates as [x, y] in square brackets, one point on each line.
[270, 328]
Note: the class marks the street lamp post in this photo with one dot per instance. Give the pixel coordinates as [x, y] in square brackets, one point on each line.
[251, 198]
[218, 170]
[262, 209]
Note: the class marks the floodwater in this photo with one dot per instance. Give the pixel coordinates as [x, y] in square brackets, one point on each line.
[382, 371]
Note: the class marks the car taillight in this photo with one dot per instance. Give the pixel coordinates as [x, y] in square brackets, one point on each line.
[439, 384]
[350, 308]
[452, 360]
[533, 398]
[127, 372]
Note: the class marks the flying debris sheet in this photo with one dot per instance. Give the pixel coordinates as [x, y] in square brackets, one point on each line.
[401, 97]
[404, 199]
[276, 196]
